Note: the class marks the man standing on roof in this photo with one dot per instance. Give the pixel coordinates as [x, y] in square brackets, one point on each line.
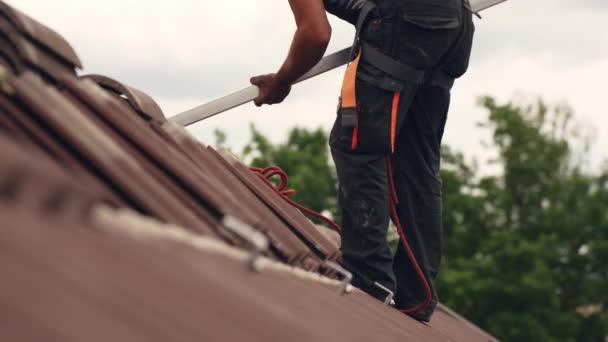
[387, 136]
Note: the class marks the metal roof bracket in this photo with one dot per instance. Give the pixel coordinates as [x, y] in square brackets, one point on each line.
[390, 294]
[347, 276]
[257, 240]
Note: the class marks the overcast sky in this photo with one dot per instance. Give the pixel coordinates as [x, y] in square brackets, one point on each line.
[187, 52]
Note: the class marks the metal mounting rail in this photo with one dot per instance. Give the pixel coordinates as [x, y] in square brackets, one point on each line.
[330, 62]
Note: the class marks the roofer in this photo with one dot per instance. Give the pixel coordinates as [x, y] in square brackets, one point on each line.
[387, 135]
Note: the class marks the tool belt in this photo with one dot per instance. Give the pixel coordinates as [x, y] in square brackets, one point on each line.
[402, 81]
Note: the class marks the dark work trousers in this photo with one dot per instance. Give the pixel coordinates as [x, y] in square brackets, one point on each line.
[363, 171]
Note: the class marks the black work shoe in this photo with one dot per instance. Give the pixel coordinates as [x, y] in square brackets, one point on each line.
[422, 318]
[423, 315]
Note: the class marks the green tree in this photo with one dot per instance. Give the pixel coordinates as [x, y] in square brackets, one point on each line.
[305, 159]
[523, 249]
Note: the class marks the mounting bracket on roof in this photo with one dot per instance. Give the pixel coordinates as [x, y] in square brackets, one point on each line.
[348, 277]
[257, 240]
[390, 294]
[330, 62]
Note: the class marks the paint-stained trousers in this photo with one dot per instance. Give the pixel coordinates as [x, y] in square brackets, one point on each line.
[363, 174]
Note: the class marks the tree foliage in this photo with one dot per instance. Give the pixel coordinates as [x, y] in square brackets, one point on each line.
[525, 250]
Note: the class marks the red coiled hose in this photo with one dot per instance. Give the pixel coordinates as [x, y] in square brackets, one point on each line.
[267, 173]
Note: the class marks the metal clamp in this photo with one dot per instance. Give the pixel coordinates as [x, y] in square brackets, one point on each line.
[390, 294]
[257, 240]
[348, 277]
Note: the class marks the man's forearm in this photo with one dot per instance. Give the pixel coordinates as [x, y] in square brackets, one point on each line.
[309, 44]
[307, 49]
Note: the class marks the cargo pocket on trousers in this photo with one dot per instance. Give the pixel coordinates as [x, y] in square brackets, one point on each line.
[378, 103]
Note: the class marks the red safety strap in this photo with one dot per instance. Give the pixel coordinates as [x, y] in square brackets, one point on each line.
[348, 96]
[394, 200]
[394, 113]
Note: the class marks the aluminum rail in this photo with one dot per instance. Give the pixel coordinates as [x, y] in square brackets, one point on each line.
[330, 62]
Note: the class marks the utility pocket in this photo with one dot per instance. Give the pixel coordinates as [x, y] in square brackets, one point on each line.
[371, 126]
[373, 131]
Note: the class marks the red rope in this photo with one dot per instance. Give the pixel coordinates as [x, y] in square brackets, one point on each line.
[266, 174]
[394, 200]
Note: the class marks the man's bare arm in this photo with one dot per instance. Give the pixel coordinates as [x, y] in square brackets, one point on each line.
[310, 40]
[307, 48]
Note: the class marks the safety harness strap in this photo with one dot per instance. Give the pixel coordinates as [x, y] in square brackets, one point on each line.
[366, 10]
[403, 71]
[348, 97]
